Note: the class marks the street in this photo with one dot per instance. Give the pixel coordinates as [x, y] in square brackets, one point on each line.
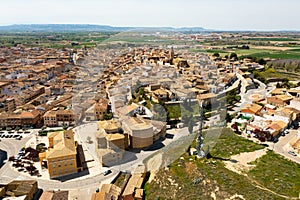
[81, 186]
[281, 147]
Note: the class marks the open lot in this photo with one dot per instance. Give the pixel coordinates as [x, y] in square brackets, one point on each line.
[271, 176]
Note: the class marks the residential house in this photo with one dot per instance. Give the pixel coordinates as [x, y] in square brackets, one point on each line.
[253, 109]
[276, 127]
[57, 90]
[24, 189]
[207, 99]
[7, 104]
[295, 92]
[279, 100]
[295, 103]
[97, 111]
[160, 95]
[279, 91]
[31, 93]
[107, 192]
[295, 144]
[133, 189]
[54, 195]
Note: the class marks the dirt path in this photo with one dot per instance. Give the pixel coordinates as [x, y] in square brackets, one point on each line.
[239, 164]
[153, 166]
[258, 185]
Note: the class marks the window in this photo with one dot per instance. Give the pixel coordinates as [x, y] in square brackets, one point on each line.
[53, 165]
[66, 163]
[54, 172]
[71, 163]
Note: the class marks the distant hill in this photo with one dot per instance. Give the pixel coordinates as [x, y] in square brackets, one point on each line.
[60, 28]
[88, 28]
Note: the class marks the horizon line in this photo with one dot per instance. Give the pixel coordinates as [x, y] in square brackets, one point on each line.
[175, 27]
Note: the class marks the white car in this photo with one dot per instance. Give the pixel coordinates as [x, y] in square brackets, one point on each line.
[292, 153]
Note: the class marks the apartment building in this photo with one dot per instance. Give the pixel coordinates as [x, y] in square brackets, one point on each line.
[20, 118]
[97, 111]
[61, 155]
[59, 117]
[7, 104]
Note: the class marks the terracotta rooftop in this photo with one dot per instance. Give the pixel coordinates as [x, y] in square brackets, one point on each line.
[63, 144]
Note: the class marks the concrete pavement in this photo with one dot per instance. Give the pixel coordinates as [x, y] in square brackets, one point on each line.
[282, 146]
[79, 187]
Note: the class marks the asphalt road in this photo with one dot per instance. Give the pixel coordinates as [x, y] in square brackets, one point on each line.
[80, 187]
[246, 96]
[281, 147]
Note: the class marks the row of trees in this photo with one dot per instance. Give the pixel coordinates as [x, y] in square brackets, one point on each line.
[289, 65]
[231, 56]
[232, 97]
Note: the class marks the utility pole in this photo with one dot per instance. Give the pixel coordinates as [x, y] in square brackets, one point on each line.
[200, 138]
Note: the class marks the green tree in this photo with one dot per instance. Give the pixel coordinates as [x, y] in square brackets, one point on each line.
[142, 91]
[278, 85]
[107, 116]
[261, 61]
[89, 139]
[216, 54]
[233, 56]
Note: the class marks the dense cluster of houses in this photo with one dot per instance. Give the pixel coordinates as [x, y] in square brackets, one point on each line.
[32, 83]
[131, 187]
[268, 118]
[63, 87]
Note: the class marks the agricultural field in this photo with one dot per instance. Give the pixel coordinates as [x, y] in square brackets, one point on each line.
[54, 40]
[288, 53]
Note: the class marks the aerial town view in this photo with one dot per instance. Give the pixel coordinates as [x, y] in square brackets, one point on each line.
[132, 100]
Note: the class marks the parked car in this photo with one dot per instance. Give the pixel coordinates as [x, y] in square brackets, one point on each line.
[107, 172]
[265, 145]
[286, 131]
[292, 153]
[18, 157]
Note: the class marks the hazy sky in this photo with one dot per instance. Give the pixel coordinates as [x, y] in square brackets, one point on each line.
[213, 14]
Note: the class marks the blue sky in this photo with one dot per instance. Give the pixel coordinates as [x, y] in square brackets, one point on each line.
[213, 14]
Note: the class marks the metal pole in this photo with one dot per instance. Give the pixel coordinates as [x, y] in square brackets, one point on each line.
[200, 138]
